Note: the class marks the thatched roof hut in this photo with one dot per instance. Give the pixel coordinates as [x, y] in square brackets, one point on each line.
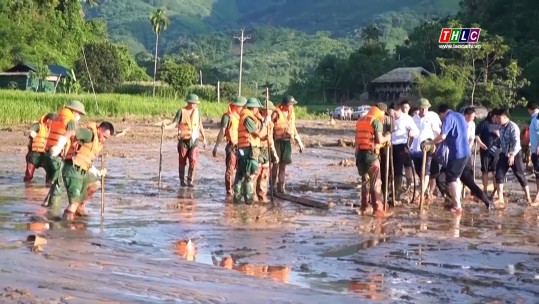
[401, 75]
[396, 84]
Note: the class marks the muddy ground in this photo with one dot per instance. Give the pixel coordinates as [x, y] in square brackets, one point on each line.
[279, 253]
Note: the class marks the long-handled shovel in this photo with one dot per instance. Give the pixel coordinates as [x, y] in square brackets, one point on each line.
[161, 154]
[386, 194]
[422, 181]
[269, 147]
[102, 185]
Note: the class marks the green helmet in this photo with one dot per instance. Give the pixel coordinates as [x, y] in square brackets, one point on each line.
[253, 102]
[289, 100]
[76, 106]
[192, 98]
[268, 105]
[239, 101]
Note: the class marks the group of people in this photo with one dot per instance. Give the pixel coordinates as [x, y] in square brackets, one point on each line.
[442, 143]
[67, 151]
[256, 134]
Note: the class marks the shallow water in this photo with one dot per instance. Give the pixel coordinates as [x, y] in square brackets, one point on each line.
[290, 253]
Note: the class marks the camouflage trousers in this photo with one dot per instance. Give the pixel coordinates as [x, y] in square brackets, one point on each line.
[372, 187]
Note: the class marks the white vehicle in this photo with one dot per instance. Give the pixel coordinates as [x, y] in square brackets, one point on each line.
[338, 112]
[360, 112]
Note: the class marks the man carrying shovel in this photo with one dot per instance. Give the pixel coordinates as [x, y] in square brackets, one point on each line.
[58, 143]
[80, 176]
[189, 124]
[229, 129]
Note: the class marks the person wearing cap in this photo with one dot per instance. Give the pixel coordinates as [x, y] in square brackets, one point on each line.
[429, 125]
[189, 124]
[369, 137]
[229, 129]
[35, 158]
[81, 178]
[267, 151]
[58, 145]
[285, 133]
[249, 131]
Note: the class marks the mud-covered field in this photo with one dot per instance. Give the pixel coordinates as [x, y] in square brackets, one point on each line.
[276, 253]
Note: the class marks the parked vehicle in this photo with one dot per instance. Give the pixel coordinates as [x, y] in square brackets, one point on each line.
[340, 112]
[360, 111]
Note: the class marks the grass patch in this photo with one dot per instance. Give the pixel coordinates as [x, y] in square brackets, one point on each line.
[18, 107]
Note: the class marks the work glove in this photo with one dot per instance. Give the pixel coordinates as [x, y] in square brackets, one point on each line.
[56, 150]
[33, 134]
[266, 120]
[96, 172]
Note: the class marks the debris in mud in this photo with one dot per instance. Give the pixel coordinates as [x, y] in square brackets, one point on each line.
[121, 154]
[315, 144]
[7, 130]
[36, 243]
[345, 142]
[186, 249]
[19, 294]
[347, 163]
[276, 273]
[38, 226]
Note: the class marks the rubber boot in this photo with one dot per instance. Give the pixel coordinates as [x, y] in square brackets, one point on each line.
[191, 176]
[282, 175]
[274, 171]
[398, 187]
[238, 193]
[181, 173]
[249, 191]
[29, 173]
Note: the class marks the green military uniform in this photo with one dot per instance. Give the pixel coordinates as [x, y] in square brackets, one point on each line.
[36, 158]
[248, 161]
[364, 158]
[54, 164]
[77, 180]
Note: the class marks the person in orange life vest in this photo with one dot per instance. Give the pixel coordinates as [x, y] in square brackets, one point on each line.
[229, 129]
[266, 136]
[369, 140]
[248, 151]
[189, 124]
[35, 157]
[525, 144]
[58, 143]
[284, 133]
[81, 178]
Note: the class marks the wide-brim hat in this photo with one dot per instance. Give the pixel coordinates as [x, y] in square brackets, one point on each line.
[239, 101]
[192, 98]
[253, 103]
[76, 106]
[423, 103]
[268, 104]
[382, 106]
[289, 100]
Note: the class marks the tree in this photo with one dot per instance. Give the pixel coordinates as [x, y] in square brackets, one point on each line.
[159, 22]
[41, 73]
[371, 33]
[104, 65]
[178, 75]
[444, 89]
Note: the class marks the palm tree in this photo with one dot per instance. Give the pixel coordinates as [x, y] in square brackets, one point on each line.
[371, 33]
[159, 22]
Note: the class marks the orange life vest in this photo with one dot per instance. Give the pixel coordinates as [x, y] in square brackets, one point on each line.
[231, 132]
[87, 152]
[365, 139]
[188, 123]
[285, 127]
[525, 136]
[246, 139]
[39, 142]
[59, 128]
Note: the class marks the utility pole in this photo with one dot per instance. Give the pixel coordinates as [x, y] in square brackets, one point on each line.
[241, 38]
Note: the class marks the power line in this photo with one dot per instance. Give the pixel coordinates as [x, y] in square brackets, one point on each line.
[241, 38]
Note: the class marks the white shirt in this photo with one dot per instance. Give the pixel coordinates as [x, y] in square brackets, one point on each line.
[403, 126]
[429, 127]
[471, 132]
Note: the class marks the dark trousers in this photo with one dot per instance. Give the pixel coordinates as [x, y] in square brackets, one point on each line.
[401, 159]
[467, 180]
[518, 169]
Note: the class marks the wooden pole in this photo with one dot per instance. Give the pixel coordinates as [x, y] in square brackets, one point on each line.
[161, 153]
[393, 194]
[103, 185]
[269, 146]
[386, 188]
[422, 181]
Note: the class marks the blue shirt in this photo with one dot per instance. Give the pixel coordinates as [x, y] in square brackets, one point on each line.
[534, 132]
[455, 127]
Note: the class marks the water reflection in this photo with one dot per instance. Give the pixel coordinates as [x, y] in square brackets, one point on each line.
[186, 249]
[371, 288]
[276, 273]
